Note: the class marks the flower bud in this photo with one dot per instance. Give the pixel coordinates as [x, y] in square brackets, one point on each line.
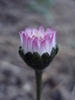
[38, 47]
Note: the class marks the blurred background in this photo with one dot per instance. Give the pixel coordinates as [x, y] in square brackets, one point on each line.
[17, 80]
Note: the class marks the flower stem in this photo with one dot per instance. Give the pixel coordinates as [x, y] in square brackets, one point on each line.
[38, 74]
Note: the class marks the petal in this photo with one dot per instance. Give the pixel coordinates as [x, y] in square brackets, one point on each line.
[21, 38]
[34, 31]
[43, 47]
[49, 31]
[25, 43]
[28, 31]
[49, 41]
[36, 45]
[29, 44]
[54, 38]
[41, 29]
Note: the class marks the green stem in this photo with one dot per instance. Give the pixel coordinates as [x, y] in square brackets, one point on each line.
[38, 74]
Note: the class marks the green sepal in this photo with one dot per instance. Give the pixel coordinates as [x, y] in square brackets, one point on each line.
[21, 52]
[28, 58]
[54, 52]
[36, 61]
[57, 49]
[45, 60]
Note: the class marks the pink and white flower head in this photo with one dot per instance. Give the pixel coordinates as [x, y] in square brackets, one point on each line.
[40, 41]
[38, 47]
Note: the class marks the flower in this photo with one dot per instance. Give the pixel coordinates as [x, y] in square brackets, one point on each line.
[38, 47]
[33, 40]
